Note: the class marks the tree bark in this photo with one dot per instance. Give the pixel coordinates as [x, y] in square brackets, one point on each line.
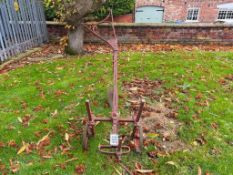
[76, 39]
[73, 13]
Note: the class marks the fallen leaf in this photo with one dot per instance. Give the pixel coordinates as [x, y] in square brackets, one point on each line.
[23, 148]
[45, 121]
[199, 96]
[14, 166]
[20, 119]
[24, 104]
[59, 68]
[199, 171]
[80, 169]
[12, 143]
[26, 119]
[214, 125]
[45, 141]
[60, 92]
[67, 137]
[38, 108]
[70, 160]
[53, 114]
[133, 89]
[65, 149]
[152, 154]
[42, 95]
[152, 135]
[144, 171]
[2, 167]
[172, 163]
[47, 156]
[2, 145]
[37, 134]
[62, 166]
[117, 171]
[11, 127]
[138, 165]
[201, 140]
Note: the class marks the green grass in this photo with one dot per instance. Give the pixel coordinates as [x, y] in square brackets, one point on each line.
[89, 77]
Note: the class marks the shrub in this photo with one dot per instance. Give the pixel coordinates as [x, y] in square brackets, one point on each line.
[119, 7]
[50, 11]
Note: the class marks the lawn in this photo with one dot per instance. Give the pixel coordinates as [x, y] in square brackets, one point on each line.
[49, 98]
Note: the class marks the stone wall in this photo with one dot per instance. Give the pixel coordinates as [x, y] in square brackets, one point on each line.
[160, 33]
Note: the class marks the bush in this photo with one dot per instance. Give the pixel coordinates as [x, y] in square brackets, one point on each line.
[50, 11]
[119, 7]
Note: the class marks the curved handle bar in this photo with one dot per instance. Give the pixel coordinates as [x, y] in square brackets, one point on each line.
[113, 43]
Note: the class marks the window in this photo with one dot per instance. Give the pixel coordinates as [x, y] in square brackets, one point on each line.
[225, 14]
[193, 14]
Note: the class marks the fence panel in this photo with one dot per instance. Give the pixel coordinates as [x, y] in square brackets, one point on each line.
[22, 26]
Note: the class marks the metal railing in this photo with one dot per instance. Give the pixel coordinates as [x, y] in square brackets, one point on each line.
[22, 26]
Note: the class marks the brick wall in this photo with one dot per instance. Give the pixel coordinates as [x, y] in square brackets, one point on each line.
[177, 9]
[161, 33]
[56, 30]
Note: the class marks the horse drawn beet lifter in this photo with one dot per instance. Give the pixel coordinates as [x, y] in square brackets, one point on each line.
[116, 146]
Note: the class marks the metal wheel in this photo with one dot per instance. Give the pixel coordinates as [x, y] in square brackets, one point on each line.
[85, 138]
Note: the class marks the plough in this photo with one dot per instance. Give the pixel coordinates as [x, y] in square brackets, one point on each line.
[115, 146]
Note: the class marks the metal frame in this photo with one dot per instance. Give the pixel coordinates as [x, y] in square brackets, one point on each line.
[115, 118]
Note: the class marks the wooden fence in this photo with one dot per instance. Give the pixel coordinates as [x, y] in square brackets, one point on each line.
[22, 26]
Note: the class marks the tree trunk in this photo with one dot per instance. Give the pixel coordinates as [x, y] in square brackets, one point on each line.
[75, 43]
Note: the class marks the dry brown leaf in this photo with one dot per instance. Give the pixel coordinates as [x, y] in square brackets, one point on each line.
[72, 159]
[60, 92]
[26, 119]
[138, 166]
[2, 167]
[12, 143]
[38, 108]
[45, 121]
[2, 145]
[42, 95]
[14, 166]
[53, 114]
[47, 156]
[80, 169]
[65, 149]
[45, 141]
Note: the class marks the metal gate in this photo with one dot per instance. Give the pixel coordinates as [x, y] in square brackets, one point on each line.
[22, 26]
[149, 14]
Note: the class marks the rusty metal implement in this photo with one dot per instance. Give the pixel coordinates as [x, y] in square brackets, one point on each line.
[115, 147]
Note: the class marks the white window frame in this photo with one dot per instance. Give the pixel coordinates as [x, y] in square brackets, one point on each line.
[193, 9]
[230, 20]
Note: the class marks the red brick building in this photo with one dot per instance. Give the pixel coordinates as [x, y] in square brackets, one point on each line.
[204, 11]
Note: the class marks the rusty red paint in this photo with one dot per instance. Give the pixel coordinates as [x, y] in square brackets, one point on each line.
[120, 149]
